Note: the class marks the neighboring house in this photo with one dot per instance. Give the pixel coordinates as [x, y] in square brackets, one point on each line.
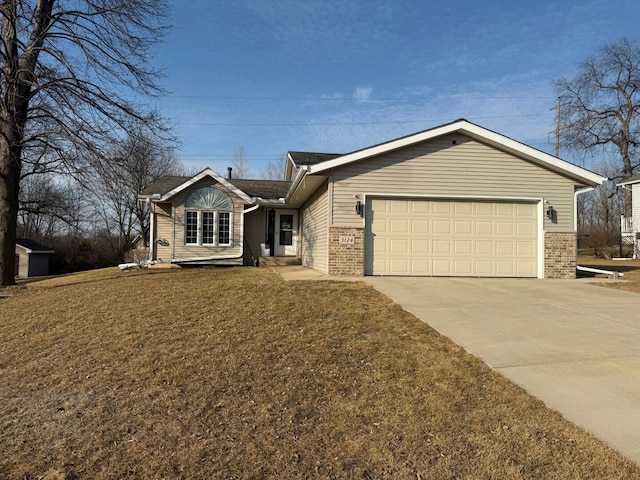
[630, 226]
[455, 200]
[32, 259]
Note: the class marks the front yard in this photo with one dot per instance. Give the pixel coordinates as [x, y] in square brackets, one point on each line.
[233, 373]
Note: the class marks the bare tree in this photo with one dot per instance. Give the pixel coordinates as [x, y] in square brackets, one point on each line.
[240, 166]
[48, 207]
[68, 71]
[600, 106]
[275, 169]
[115, 182]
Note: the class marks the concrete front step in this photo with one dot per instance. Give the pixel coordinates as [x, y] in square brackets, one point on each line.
[279, 261]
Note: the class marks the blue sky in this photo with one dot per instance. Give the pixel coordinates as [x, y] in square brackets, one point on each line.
[338, 75]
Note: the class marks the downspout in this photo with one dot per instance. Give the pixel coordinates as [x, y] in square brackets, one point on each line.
[152, 236]
[575, 204]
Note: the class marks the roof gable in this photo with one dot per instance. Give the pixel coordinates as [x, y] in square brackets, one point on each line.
[167, 187]
[207, 172]
[474, 131]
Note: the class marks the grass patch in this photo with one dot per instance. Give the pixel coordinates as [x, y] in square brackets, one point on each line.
[630, 269]
[233, 373]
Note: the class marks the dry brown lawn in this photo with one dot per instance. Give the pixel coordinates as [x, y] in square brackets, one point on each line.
[233, 373]
[630, 281]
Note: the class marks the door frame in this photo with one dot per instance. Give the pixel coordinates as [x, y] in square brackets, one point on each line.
[286, 250]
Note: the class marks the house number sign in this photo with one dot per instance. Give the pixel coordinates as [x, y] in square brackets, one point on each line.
[347, 240]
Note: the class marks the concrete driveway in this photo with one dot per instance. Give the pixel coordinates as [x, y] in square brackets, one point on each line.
[573, 345]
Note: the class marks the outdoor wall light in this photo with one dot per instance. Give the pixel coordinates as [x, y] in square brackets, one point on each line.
[550, 213]
[359, 207]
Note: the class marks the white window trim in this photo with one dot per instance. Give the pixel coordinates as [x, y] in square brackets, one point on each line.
[200, 227]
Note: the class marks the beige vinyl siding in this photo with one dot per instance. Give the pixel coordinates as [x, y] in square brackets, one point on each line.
[315, 229]
[171, 227]
[635, 207]
[254, 234]
[163, 231]
[439, 168]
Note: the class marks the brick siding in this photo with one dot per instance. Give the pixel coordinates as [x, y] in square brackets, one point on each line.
[560, 255]
[346, 259]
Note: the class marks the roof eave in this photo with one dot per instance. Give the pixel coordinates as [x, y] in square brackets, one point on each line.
[475, 131]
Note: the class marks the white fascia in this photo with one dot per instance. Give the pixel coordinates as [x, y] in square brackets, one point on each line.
[296, 181]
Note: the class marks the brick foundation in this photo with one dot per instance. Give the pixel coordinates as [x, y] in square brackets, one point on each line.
[346, 257]
[560, 254]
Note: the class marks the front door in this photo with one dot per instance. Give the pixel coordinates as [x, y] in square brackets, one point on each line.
[286, 236]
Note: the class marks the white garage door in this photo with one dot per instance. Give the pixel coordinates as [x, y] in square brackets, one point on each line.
[451, 238]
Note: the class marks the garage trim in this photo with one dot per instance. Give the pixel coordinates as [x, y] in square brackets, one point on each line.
[470, 198]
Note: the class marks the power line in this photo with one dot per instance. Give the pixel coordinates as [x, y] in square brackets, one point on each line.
[343, 98]
[330, 124]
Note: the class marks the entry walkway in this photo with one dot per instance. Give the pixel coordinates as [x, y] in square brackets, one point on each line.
[573, 345]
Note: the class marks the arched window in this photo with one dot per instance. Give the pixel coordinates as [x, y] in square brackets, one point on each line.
[208, 213]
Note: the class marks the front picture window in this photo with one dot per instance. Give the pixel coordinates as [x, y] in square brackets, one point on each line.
[208, 217]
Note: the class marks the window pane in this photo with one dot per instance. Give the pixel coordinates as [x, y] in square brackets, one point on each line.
[209, 198]
[207, 227]
[191, 227]
[224, 228]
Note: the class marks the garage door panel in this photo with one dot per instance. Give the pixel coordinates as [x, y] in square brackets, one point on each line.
[420, 246]
[462, 247]
[525, 249]
[399, 266]
[483, 247]
[463, 227]
[421, 265]
[505, 268]
[483, 227]
[525, 229]
[505, 248]
[441, 227]
[399, 206]
[504, 228]
[420, 226]
[441, 247]
[449, 238]
[441, 208]
[463, 267]
[484, 268]
[399, 246]
[398, 225]
[442, 268]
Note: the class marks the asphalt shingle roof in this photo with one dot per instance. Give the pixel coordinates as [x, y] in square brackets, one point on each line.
[32, 245]
[312, 158]
[271, 189]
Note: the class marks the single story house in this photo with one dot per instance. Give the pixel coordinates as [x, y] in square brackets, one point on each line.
[32, 259]
[454, 200]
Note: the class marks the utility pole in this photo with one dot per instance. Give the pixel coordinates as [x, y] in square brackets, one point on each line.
[558, 128]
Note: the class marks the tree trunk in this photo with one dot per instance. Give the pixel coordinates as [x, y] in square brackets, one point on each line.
[9, 190]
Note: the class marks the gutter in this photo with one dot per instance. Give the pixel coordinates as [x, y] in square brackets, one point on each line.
[296, 182]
